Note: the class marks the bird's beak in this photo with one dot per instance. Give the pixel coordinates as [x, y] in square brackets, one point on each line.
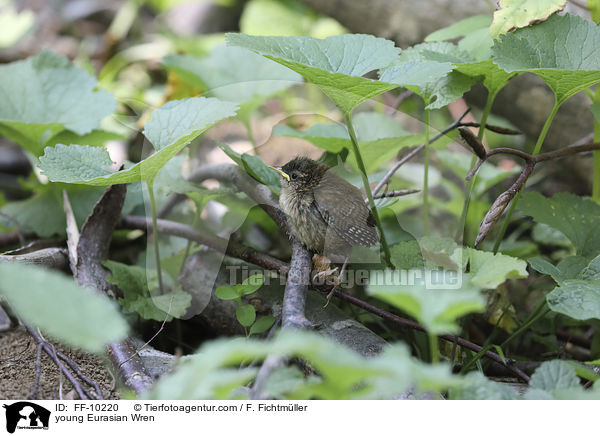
[284, 175]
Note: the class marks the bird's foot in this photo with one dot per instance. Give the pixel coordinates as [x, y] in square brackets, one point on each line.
[321, 268]
[336, 282]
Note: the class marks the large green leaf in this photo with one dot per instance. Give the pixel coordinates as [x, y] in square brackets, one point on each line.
[554, 375]
[428, 70]
[61, 308]
[579, 299]
[335, 64]
[488, 270]
[171, 128]
[477, 42]
[577, 218]
[490, 75]
[233, 74]
[479, 387]
[520, 13]
[43, 214]
[379, 137]
[436, 309]
[44, 95]
[563, 51]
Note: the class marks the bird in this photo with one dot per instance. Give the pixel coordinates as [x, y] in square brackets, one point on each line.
[327, 214]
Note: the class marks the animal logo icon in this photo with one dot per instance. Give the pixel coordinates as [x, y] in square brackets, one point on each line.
[25, 414]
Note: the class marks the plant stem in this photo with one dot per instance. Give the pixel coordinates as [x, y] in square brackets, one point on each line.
[155, 235]
[536, 150]
[596, 183]
[251, 136]
[460, 231]
[433, 347]
[426, 177]
[365, 179]
[540, 311]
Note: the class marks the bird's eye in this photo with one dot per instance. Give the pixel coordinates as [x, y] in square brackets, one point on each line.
[294, 176]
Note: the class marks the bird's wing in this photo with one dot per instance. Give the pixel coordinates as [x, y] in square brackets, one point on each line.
[342, 207]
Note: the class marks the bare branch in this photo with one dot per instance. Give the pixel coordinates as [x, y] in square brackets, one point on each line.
[294, 298]
[92, 248]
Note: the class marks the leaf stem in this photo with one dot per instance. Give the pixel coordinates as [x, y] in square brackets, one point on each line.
[460, 231]
[426, 177]
[155, 235]
[434, 348]
[536, 150]
[365, 179]
[596, 182]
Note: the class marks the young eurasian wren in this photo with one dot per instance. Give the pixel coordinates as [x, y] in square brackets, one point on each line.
[325, 212]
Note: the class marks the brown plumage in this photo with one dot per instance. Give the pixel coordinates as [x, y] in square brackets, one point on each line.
[326, 213]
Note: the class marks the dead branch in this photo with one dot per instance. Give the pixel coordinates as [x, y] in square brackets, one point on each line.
[504, 199]
[92, 249]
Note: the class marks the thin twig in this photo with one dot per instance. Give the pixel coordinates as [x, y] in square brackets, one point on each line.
[398, 193]
[83, 393]
[38, 372]
[81, 375]
[410, 155]
[162, 326]
[508, 363]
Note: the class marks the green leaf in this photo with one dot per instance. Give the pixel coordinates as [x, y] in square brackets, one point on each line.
[171, 128]
[245, 314]
[256, 167]
[579, 299]
[594, 7]
[95, 138]
[489, 270]
[544, 234]
[44, 95]
[57, 305]
[491, 76]
[380, 138]
[44, 215]
[133, 282]
[562, 51]
[251, 284]
[568, 268]
[514, 14]
[274, 17]
[226, 292]
[427, 69]
[460, 28]
[436, 309]
[479, 387]
[14, 24]
[233, 74]
[592, 271]
[553, 375]
[577, 218]
[406, 255]
[262, 325]
[335, 64]
[475, 31]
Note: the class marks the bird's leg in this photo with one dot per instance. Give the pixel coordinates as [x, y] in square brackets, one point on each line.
[321, 267]
[337, 281]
